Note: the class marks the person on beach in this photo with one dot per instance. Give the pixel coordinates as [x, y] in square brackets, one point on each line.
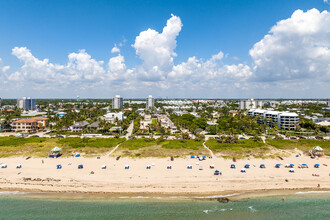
[42, 161]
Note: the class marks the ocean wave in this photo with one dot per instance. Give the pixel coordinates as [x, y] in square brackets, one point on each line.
[12, 192]
[180, 197]
[215, 197]
[311, 192]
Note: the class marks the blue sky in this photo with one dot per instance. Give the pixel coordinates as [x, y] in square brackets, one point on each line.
[55, 29]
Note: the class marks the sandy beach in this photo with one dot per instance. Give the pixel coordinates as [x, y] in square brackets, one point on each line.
[178, 181]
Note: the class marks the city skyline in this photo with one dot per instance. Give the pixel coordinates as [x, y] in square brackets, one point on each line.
[224, 51]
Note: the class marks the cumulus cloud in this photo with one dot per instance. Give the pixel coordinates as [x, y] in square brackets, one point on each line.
[156, 50]
[80, 68]
[115, 49]
[295, 48]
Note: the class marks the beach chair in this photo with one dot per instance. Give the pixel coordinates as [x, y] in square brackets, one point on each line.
[4, 166]
[201, 168]
[103, 167]
[291, 170]
[126, 167]
[18, 166]
[212, 166]
[233, 166]
[189, 167]
[58, 166]
[169, 167]
[243, 170]
[98, 158]
[148, 167]
[304, 165]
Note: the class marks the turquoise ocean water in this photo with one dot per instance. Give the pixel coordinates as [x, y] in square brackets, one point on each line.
[294, 207]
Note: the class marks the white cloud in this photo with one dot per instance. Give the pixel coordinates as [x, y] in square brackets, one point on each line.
[295, 48]
[80, 68]
[5, 69]
[115, 49]
[156, 50]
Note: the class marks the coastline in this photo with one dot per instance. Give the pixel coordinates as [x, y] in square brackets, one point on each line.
[42, 179]
[231, 196]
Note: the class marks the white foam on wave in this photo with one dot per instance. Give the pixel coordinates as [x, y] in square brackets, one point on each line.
[214, 197]
[252, 209]
[311, 192]
[180, 197]
[12, 192]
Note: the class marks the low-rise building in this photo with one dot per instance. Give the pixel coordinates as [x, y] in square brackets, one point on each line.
[28, 125]
[78, 126]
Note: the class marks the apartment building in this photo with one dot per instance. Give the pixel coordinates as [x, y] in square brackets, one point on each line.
[28, 125]
[117, 102]
[26, 103]
[284, 120]
[150, 102]
[250, 104]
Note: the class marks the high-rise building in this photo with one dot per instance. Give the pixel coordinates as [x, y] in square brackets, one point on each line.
[328, 101]
[117, 102]
[150, 102]
[26, 103]
[250, 104]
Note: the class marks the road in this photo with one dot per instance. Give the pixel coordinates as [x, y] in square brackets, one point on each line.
[129, 130]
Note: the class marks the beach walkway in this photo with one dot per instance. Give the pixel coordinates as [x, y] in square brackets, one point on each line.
[212, 155]
[113, 150]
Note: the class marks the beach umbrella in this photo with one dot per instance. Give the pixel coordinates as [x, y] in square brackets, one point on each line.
[80, 166]
[126, 167]
[233, 166]
[77, 155]
[98, 157]
[216, 172]
[192, 156]
[243, 170]
[247, 166]
[291, 165]
[262, 166]
[19, 166]
[103, 167]
[317, 148]
[317, 165]
[277, 165]
[58, 166]
[204, 157]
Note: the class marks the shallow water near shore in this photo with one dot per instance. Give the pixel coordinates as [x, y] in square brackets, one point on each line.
[299, 206]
